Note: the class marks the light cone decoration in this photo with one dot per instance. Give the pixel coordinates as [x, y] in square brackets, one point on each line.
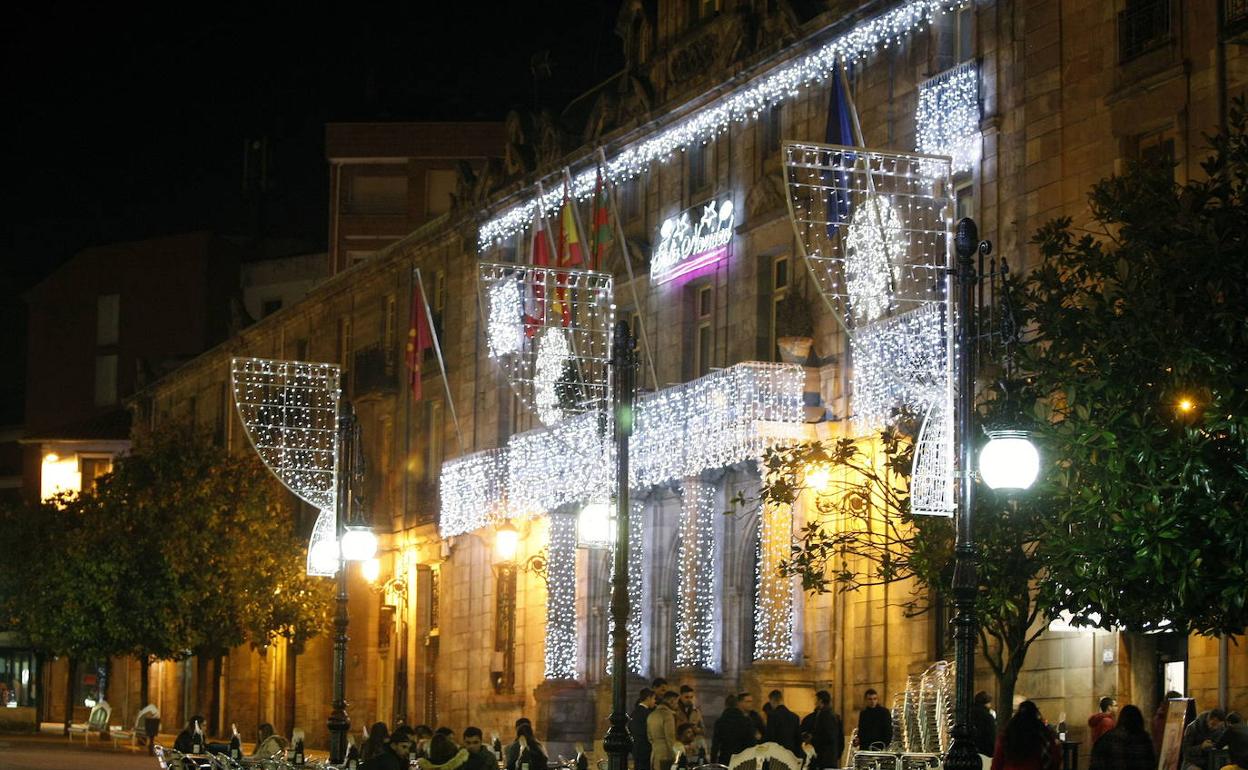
[875, 229]
[289, 410]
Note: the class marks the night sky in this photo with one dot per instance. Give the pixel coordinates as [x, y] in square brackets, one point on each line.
[122, 125]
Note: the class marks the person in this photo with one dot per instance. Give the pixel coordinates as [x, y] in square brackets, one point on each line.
[1235, 741]
[688, 712]
[1027, 743]
[984, 723]
[1201, 736]
[268, 743]
[659, 685]
[1102, 721]
[394, 756]
[661, 730]
[823, 730]
[421, 735]
[687, 747]
[446, 731]
[531, 755]
[1158, 727]
[442, 753]
[375, 743]
[875, 723]
[782, 724]
[637, 728]
[184, 743]
[512, 754]
[1126, 746]
[479, 757]
[745, 702]
[732, 732]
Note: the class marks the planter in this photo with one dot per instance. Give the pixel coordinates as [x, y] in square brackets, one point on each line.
[794, 350]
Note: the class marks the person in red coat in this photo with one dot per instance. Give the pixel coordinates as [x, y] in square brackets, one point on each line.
[1102, 721]
[1027, 743]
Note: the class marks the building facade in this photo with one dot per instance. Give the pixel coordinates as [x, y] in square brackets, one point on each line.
[455, 631]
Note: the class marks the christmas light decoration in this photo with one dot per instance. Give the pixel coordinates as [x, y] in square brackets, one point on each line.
[505, 330]
[289, 411]
[695, 564]
[903, 357]
[708, 423]
[550, 332]
[561, 599]
[684, 248]
[773, 605]
[947, 118]
[738, 106]
[636, 585]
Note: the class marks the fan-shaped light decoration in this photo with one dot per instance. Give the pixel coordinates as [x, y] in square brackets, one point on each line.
[550, 331]
[871, 221]
[289, 410]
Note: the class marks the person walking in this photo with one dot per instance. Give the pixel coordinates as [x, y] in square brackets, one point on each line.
[637, 728]
[732, 732]
[661, 730]
[984, 723]
[875, 724]
[1027, 743]
[1102, 721]
[1127, 746]
[783, 726]
[825, 733]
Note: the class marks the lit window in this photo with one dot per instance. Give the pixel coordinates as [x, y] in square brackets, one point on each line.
[779, 287]
[91, 469]
[704, 349]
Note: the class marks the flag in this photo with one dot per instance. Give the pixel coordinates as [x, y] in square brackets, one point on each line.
[419, 339]
[535, 301]
[838, 131]
[602, 235]
[569, 255]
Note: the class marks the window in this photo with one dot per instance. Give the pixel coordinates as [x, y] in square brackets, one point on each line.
[344, 342]
[270, 306]
[771, 126]
[704, 344]
[439, 191]
[107, 318]
[631, 194]
[377, 195]
[106, 380]
[964, 197]
[1156, 149]
[965, 41]
[779, 288]
[699, 166]
[91, 469]
[1142, 26]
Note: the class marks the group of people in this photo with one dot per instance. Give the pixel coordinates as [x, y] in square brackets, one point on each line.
[667, 728]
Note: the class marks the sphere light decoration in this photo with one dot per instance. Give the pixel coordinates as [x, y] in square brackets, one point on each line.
[875, 241]
[1009, 460]
[553, 353]
[358, 543]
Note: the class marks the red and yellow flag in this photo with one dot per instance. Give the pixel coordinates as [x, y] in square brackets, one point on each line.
[535, 302]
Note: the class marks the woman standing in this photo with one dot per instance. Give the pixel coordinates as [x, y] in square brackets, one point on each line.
[1027, 743]
[1126, 747]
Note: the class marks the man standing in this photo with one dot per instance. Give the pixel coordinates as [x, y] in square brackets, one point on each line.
[875, 724]
[479, 757]
[824, 732]
[745, 701]
[687, 712]
[732, 732]
[661, 729]
[1102, 721]
[782, 724]
[659, 685]
[984, 724]
[637, 728]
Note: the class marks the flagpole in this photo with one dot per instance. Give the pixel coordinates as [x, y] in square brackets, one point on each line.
[632, 280]
[437, 349]
[576, 353]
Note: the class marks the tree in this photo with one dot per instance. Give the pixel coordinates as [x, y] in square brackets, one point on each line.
[1137, 343]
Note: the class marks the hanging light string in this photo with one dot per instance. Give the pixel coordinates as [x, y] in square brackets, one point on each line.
[740, 105]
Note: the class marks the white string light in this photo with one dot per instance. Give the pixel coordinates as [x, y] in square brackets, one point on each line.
[947, 118]
[505, 331]
[553, 354]
[708, 423]
[773, 605]
[289, 410]
[695, 560]
[897, 361]
[636, 585]
[741, 105]
[561, 599]
[873, 240]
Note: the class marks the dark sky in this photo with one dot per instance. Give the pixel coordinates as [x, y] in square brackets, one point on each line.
[123, 124]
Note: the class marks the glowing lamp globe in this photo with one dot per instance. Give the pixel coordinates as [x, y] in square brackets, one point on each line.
[1009, 460]
[358, 544]
[506, 542]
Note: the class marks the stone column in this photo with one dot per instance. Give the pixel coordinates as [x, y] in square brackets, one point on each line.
[696, 567]
[773, 604]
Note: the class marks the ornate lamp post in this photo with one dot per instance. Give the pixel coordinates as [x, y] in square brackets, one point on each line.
[506, 545]
[617, 742]
[1008, 462]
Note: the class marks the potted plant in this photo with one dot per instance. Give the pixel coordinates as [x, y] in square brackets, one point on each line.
[795, 328]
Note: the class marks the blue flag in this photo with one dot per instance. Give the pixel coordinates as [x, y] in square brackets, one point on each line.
[839, 131]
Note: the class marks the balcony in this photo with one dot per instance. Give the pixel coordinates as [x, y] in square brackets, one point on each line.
[374, 372]
[1142, 27]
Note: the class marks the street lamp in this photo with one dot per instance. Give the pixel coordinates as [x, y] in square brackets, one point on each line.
[1008, 461]
[506, 544]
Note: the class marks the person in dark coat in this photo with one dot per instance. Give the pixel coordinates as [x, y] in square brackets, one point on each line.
[531, 756]
[1127, 746]
[394, 757]
[745, 702]
[479, 757]
[637, 729]
[875, 724]
[733, 733]
[823, 730]
[782, 724]
[984, 724]
[186, 739]
[1027, 743]
[512, 752]
[375, 743]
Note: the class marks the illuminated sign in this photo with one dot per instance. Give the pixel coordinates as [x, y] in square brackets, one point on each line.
[685, 247]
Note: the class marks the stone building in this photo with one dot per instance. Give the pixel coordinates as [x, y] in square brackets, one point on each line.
[1062, 94]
